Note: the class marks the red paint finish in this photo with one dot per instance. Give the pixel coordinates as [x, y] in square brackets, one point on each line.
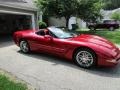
[107, 53]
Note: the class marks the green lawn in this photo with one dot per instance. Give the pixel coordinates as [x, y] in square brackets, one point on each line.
[7, 84]
[113, 36]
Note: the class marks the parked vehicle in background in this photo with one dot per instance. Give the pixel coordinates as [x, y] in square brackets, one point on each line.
[104, 24]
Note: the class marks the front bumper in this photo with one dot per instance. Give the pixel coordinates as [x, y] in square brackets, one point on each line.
[110, 62]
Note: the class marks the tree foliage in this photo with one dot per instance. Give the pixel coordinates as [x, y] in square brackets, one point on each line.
[42, 25]
[111, 4]
[89, 10]
[116, 16]
[85, 9]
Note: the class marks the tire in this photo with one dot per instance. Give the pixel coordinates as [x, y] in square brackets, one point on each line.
[111, 28]
[24, 46]
[85, 58]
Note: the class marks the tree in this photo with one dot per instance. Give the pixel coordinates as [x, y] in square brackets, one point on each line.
[85, 9]
[111, 4]
[116, 16]
[89, 10]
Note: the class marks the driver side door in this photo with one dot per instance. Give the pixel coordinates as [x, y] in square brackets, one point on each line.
[59, 47]
[40, 43]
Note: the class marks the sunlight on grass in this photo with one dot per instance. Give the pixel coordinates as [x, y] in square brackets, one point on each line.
[7, 84]
[112, 36]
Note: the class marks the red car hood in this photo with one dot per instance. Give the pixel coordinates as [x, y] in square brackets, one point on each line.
[95, 40]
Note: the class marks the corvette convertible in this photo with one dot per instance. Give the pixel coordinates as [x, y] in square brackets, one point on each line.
[85, 50]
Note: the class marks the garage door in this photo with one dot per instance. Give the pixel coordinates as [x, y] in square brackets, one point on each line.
[14, 19]
[10, 23]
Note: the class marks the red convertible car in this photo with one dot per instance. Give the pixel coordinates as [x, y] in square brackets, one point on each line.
[85, 50]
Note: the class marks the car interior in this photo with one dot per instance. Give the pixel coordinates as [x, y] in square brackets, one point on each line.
[44, 32]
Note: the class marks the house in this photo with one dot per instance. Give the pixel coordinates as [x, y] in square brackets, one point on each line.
[61, 22]
[17, 15]
[108, 13]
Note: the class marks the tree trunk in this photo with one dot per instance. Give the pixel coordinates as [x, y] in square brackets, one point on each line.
[67, 21]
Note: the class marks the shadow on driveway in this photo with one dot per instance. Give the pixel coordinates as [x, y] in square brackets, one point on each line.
[6, 40]
[101, 71]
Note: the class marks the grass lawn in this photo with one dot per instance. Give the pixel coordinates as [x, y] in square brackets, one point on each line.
[7, 84]
[113, 36]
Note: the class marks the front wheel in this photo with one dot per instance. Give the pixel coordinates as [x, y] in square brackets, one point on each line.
[24, 46]
[85, 58]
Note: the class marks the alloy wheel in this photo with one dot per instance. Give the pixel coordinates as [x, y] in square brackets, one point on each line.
[24, 46]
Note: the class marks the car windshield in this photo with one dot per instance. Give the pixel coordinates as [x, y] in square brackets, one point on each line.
[61, 33]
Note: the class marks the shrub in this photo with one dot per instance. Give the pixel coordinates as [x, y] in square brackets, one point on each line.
[42, 25]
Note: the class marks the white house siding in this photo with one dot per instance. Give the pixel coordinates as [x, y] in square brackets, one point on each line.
[61, 22]
[18, 4]
[81, 23]
[72, 21]
[108, 13]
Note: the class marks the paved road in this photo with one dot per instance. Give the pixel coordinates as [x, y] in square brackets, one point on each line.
[51, 73]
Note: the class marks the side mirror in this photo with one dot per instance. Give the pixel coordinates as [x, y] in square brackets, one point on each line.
[48, 37]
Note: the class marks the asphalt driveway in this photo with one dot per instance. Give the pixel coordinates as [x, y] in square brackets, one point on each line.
[46, 72]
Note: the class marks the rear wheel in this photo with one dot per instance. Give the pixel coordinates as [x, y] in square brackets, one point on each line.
[85, 58]
[24, 46]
